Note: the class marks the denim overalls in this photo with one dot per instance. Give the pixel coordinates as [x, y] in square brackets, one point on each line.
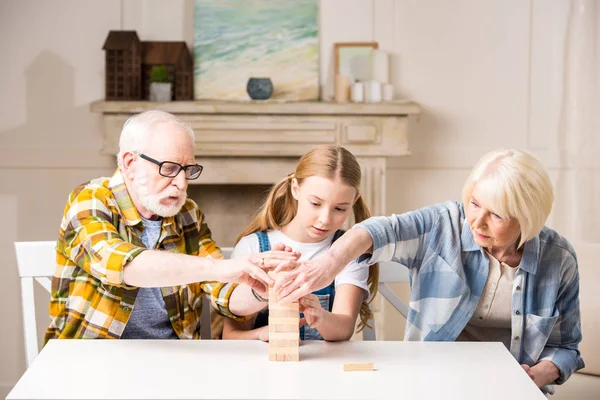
[325, 295]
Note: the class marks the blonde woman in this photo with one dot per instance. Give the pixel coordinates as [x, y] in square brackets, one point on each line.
[486, 269]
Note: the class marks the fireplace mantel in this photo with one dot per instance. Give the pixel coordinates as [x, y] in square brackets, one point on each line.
[259, 142]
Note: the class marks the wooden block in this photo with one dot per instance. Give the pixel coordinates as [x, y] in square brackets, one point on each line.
[288, 357]
[285, 342]
[283, 313]
[283, 328]
[285, 321]
[284, 357]
[283, 350]
[365, 366]
[273, 305]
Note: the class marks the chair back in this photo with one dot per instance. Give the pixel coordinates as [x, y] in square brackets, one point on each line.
[36, 262]
[389, 272]
[205, 318]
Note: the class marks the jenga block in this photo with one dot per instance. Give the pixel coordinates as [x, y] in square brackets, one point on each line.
[284, 357]
[279, 356]
[284, 350]
[365, 366]
[288, 357]
[288, 321]
[283, 313]
[284, 342]
[283, 335]
[283, 328]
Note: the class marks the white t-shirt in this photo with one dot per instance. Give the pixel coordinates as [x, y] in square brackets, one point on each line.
[353, 274]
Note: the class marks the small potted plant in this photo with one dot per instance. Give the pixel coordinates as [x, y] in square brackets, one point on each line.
[160, 87]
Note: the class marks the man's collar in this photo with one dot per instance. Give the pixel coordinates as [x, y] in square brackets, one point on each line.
[124, 200]
[129, 211]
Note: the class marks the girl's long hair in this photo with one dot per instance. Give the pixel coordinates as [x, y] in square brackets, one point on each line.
[280, 208]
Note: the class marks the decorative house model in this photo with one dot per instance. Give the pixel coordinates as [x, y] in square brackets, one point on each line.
[123, 65]
[178, 60]
[129, 62]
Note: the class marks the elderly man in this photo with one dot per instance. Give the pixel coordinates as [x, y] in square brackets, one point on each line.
[135, 256]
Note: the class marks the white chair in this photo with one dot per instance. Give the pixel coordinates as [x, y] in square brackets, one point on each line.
[389, 272]
[36, 262]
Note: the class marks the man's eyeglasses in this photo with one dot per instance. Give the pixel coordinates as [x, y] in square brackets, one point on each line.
[170, 169]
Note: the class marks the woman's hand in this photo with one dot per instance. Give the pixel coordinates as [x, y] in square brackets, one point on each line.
[307, 277]
[542, 373]
[313, 312]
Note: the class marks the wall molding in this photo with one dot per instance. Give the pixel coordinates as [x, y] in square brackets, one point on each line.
[433, 159]
[465, 159]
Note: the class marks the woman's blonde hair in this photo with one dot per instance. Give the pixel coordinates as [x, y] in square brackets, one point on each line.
[514, 184]
[280, 208]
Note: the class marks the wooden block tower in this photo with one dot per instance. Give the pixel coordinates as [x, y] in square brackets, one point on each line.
[284, 330]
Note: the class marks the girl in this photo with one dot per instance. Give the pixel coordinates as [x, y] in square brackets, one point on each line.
[304, 211]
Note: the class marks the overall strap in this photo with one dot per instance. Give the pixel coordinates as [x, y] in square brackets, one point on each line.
[337, 235]
[263, 241]
[262, 318]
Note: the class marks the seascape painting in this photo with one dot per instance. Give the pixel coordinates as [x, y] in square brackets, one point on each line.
[235, 40]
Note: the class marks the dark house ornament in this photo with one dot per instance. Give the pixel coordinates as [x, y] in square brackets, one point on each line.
[129, 62]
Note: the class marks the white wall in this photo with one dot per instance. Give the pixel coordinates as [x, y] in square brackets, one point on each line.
[487, 73]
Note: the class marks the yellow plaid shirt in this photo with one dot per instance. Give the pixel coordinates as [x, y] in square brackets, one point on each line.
[100, 233]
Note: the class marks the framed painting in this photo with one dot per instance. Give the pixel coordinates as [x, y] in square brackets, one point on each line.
[353, 59]
[235, 40]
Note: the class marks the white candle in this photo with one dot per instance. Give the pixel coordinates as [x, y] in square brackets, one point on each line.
[373, 92]
[379, 64]
[388, 92]
[357, 92]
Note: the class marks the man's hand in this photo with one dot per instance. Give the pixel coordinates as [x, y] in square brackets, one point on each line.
[307, 277]
[250, 269]
[542, 373]
[243, 271]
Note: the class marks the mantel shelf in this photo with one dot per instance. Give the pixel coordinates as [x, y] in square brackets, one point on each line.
[258, 142]
[395, 108]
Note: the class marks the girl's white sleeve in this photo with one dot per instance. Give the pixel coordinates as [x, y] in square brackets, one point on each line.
[246, 246]
[356, 274]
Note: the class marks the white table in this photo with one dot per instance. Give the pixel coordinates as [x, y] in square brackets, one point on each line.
[207, 369]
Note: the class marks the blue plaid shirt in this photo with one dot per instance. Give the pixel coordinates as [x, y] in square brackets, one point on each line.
[448, 270]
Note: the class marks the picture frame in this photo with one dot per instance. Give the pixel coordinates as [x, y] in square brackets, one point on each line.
[353, 59]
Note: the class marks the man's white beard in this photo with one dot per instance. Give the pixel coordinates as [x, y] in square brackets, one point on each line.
[152, 202]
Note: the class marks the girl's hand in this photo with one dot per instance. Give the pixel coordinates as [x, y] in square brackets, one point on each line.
[313, 312]
[263, 332]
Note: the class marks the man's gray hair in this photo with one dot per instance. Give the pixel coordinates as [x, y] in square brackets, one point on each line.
[139, 129]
